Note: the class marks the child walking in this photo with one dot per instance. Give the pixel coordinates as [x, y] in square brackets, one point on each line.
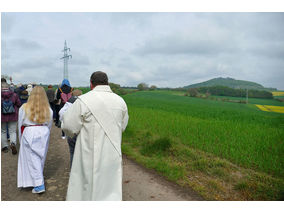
[34, 123]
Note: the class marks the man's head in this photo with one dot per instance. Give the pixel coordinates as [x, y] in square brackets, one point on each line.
[98, 78]
[3, 80]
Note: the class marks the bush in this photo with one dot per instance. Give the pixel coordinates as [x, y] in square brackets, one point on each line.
[142, 86]
[153, 87]
[159, 146]
[117, 89]
[192, 92]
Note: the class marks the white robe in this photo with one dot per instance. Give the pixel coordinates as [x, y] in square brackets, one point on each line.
[63, 110]
[98, 117]
[33, 150]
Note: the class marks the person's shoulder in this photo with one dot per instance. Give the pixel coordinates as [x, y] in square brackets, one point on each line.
[22, 107]
[117, 96]
[87, 94]
[118, 99]
[82, 99]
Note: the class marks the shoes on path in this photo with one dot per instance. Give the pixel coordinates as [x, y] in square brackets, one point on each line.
[14, 149]
[38, 189]
[5, 149]
[63, 137]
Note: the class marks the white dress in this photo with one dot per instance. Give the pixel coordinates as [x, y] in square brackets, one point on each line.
[98, 118]
[33, 149]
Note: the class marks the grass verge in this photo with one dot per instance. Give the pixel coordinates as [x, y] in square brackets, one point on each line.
[212, 177]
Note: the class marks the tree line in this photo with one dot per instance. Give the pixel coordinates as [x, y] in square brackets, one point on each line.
[227, 91]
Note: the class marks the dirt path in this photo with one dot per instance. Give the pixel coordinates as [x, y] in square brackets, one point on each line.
[139, 184]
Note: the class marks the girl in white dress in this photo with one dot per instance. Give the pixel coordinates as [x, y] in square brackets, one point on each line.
[34, 123]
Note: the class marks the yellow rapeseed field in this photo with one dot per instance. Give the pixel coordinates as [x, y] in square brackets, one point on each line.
[268, 108]
[278, 93]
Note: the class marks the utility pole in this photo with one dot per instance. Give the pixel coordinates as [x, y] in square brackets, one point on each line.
[65, 60]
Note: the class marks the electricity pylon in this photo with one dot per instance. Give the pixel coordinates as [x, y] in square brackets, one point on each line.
[65, 60]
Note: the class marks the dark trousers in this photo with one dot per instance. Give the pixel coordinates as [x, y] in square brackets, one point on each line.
[57, 109]
[71, 143]
[52, 106]
[8, 136]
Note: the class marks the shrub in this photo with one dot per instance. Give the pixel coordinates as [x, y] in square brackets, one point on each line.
[159, 146]
[153, 87]
[142, 86]
[192, 92]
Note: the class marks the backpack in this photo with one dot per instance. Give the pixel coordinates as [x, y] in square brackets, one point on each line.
[7, 107]
[65, 97]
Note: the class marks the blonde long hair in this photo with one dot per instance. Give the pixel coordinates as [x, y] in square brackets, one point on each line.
[37, 106]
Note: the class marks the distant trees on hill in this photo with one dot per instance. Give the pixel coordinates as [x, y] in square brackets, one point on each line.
[227, 91]
[144, 86]
[232, 83]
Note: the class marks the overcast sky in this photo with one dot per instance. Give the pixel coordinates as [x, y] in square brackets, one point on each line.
[162, 49]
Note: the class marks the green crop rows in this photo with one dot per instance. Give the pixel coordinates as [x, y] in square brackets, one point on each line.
[237, 132]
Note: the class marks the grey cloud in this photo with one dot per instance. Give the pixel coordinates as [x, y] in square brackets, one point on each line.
[171, 45]
[128, 63]
[165, 49]
[272, 50]
[79, 59]
[264, 26]
[105, 62]
[30, 66]
[138, 19]
[24, 44]
[7, 23]
[4, 53]
[35, 64]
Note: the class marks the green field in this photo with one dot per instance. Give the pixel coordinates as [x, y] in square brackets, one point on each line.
[180, 136]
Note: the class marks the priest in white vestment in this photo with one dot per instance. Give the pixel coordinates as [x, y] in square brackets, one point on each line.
[98, 118]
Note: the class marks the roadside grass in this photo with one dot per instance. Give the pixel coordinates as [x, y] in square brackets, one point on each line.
[225, 151]
[212, 177]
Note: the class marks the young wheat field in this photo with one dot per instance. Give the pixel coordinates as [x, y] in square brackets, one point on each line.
[225, 151]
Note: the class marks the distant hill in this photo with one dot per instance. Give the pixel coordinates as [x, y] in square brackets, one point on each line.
[230, 82]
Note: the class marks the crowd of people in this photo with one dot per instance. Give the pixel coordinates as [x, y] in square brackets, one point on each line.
[18, 96]
[93, 124]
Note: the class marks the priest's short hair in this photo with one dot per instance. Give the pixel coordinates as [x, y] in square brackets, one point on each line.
[99, 78]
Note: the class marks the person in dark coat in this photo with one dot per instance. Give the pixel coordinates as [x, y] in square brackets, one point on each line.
[22, 93]
[67, 90]
[9, 116]
[51, 96]
[57, 107]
